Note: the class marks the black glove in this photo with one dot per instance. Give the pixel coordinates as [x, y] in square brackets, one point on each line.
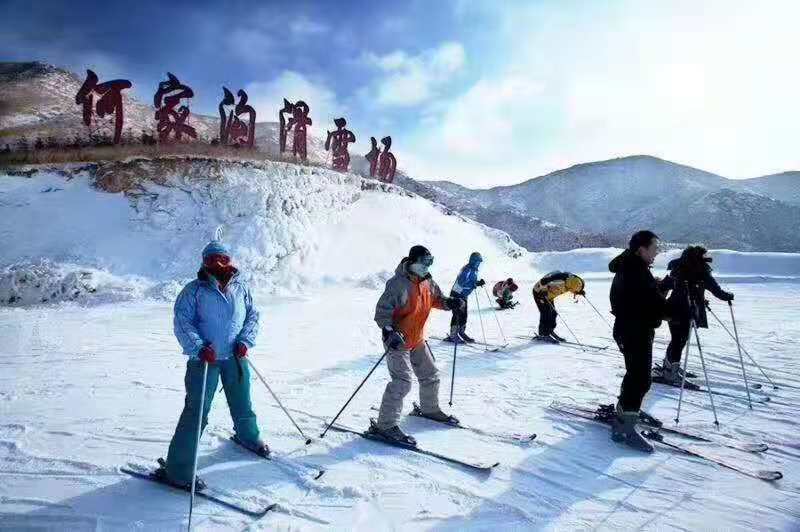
[727, 296]
[480, 282]
[393, 339]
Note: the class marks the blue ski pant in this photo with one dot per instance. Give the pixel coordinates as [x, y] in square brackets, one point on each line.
[180, 459]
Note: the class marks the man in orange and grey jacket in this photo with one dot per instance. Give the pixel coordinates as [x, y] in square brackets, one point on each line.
[401, 313]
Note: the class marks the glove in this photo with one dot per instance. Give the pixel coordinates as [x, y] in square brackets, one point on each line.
[241, 350]
[207, 354]
[728, 297]
[480, 282]
[393, 339]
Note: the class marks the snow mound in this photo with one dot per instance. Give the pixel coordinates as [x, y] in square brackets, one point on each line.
[289, 227]
[46, 282]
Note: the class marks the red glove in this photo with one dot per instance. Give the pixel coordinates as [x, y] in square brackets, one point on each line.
[207, 354]
[241, 350]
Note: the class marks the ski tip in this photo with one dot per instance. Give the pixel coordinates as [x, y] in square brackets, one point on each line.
[308, 441]
[319, 474]
[765, 474]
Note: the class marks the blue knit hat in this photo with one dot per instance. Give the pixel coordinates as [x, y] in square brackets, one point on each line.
[215, 247]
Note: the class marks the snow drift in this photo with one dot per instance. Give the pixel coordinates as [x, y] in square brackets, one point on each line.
[142, 223]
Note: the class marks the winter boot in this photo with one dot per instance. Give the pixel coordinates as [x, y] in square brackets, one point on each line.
[671, 372]
[258, 447]
[392, 434]
[454, 337]
[160, 475]
[463, 334]
[557, 337]
[623, 430]
[436, 415]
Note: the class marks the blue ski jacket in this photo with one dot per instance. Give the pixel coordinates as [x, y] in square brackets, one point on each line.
[206, 315]
[467, 279]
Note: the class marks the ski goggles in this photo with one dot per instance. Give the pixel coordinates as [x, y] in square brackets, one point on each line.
[426, 260]
[216, 258]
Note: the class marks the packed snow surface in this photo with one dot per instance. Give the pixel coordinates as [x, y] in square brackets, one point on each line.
[88, 385]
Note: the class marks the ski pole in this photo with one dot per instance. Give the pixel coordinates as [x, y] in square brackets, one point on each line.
[480, 317]
[598, 312]
[503, 334]
[261, 378]
[197, 440]
[453, 375]
[683, 378]
[354, 393]
[741, 358]
[756, 364]
[552, 306]
[705, 372]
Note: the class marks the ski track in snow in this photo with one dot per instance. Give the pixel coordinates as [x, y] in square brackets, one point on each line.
[81, 412]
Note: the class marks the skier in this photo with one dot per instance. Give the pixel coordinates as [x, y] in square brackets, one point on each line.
[638, 305]
[691, 273]
[401, 313]
[545, 292]
[215, 322]
[503, 291]
[463, 286]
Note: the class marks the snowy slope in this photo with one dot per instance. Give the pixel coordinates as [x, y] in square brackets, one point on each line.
[85, 388]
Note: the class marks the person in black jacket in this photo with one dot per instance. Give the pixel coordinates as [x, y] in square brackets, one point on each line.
[639, 305]
[691, 274]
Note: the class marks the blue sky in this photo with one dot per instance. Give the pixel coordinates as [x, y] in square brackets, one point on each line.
[478, 92]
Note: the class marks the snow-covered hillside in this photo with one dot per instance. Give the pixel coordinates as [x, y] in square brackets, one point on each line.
[682, 204]
[143, 222]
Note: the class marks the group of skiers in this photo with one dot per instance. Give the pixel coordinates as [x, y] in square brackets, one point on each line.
[216, 323]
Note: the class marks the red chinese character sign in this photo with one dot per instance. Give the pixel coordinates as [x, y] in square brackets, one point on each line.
[299, 122]
[109, 101]
[172, 121]
[233, 130]
[382, 164]
[337, 142]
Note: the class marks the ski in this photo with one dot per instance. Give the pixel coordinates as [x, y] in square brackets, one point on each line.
[574, 345]
[697, 388]
[513, 438]
[316, 471]
[492, 348]
[762, 474]
[209, 494]
[598, 416]
[416, 449]
[604, 411]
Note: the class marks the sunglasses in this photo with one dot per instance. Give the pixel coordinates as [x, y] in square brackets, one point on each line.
[222, 259]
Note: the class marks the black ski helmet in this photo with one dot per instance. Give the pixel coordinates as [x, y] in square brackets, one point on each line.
[475, 258]
[417, 252]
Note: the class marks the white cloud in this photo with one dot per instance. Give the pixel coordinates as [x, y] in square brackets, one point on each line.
[414, 79]
[714, 88]
[267, 97]
[304, 26]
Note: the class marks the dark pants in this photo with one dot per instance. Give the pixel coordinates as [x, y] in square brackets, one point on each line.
[459, 318]
[637, 347]
[547, 315]
[679, 332]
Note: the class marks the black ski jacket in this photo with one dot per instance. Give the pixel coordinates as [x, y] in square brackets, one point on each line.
[637, 298]
[689, 292]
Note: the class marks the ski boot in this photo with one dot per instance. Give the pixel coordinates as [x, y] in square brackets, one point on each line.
[623, 430]
[666, 365]
[436, 415]
[546, 339]
[557, 338]
[454, 337]
[258, 447]
[160, 475]
[392, 434]
[463, 334]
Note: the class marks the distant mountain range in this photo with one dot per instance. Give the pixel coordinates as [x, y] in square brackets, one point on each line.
[609, 200]
[595, 204]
